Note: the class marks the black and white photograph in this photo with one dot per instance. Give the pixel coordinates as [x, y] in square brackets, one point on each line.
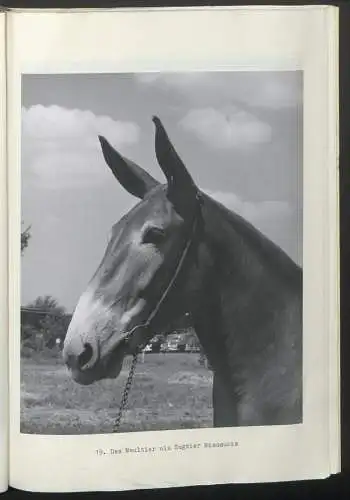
[161, 251]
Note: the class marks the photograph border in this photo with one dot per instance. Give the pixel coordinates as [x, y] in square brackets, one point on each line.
[298, 235]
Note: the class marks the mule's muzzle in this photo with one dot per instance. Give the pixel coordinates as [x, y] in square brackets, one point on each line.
[87, 364]
[81, 356]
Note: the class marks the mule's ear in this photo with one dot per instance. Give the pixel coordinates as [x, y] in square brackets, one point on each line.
[181, 188]
[132, 177]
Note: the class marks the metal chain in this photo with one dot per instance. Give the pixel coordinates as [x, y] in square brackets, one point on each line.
[125, 396]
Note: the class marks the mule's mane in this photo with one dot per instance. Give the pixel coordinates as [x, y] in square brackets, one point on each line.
[274, 258]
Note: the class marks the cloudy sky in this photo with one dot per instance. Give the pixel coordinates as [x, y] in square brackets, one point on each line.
[239, 133]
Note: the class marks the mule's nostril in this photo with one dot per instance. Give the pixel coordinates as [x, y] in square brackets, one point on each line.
[85, 357]
[80, 356]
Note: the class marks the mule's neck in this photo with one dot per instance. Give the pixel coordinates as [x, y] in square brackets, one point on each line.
[248, 285]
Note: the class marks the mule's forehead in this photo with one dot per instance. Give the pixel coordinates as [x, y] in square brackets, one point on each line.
[154, 209]
[125, 242]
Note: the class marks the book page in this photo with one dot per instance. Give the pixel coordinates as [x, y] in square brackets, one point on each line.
[175, 321]
[334, 249]
[3, 268]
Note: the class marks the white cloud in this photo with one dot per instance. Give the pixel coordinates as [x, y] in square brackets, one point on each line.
[60, 146]
[275, 219]
[261, 214]
[147, 77]
[274, 90]
[226, 129]
[276, 93]
[177, 80]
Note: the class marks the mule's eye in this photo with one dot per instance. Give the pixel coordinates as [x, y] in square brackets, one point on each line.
[153, 235]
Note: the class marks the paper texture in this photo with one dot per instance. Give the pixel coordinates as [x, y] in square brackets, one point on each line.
[334, 249]
[3, 269]
[254, 39]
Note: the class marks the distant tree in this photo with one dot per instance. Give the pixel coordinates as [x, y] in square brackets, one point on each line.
[25, 237]
[48, 304]
[53, 325]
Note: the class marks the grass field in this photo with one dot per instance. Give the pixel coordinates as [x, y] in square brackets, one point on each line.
[170, 391]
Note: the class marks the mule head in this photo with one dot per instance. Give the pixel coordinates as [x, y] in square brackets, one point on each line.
[142, 255]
